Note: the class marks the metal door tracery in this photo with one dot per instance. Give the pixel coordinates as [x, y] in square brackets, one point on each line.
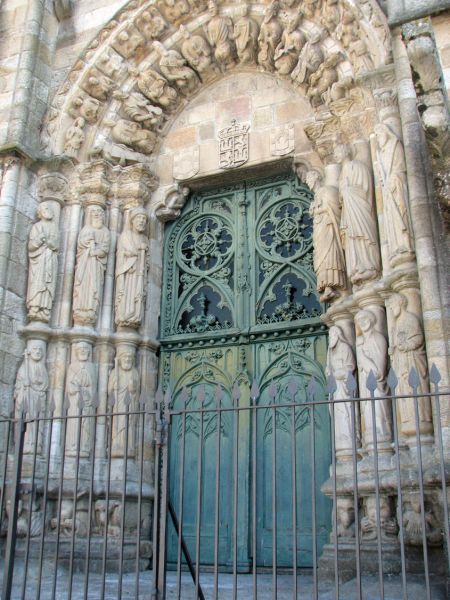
[240, 303]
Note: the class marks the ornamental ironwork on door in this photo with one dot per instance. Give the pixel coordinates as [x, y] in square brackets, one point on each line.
[240, 305]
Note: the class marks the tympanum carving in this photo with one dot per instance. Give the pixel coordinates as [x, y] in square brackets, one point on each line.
[219, 31]
[173, 66]
[245, 36]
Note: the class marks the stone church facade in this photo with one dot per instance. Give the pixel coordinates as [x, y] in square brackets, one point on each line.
[112, 115]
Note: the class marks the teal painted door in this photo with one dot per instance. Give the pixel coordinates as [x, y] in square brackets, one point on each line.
[239, 303]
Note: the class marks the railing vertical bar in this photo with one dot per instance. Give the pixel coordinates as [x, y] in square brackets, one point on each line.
[181, 502]
[254, 491]
[399, 496]
[335, 511]
[422, 496]
[157, 495]
[75, 500]
[377, 494]
[124, 499]
[141, 417]
[438, 430]
[59, 504]
[109, 421]
[11, 537]
[5, 469]
[217, 501]
[93, 429]
[356, 499]
[274, 504]
[44, 510]
[199, 499]
[235, 496]
[294, 500]
[313, 501]
[36, 426]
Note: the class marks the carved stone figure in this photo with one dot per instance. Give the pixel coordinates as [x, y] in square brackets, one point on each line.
[358, 222]
[310, 59]
[329, 262]
[86, 107]
[175, 9]
[219, 31]
[128, 41]
[30, 393]
[196, 51]
[346, 31]
[340, 364]
[269, 36]
[133, 135]
[151, 23]
[98, 85]
[372, 353]
[111, 64]
[309, 8]
[388, 522]
[66, 519]
[174, 67]
[92, 254]
[245, 36]
[330, 15]
[412, 522]
[156, 88]
[23, 516]
[74, 138]
[288, 50]
[43, 245]
[322, 83]
[131, 270]
[360, 57]
[407, 350]
[80, 390]
[395, 193]
[139, 109]
[346, 517]
[123, 386]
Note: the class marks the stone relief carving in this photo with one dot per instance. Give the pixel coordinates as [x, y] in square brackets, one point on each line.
[132, 134]
[310, 7]
[329, 261]
[92, 255]
[407, 351]
[372, 354]
[412, 521]
[245, 35]
[175, 9]
[128, 41]
[131, 270]
[360, 57]
[310, 59]
[138, 108]
[74, 138]
[175, 69]
[269, 36]
[388, 522]
[80, 392]
[43, 244]
[282, 140]
[346, 517]
[156, 88]
[323, 83]
[358, 223]
[68, 521]
[291, 44]
[24, 517]
[170, 208]
[151, 23]
[196, 51]
[395, 193]
[233, 145]
[111, 64]
[97, 85]
[340, 364]
[219, 31]
[186, 163]
[123, 387]
[30, 392]
[331, 15]
[86, 107]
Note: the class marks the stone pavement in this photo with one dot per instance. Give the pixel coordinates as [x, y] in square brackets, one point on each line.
[347, 591]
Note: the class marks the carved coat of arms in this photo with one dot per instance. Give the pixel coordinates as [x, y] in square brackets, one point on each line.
[233, 145]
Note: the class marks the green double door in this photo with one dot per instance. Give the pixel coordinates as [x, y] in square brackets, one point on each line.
[239, 304]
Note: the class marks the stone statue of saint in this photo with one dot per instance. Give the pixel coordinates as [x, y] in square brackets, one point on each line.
[395, 193]
[310, 59]
[329, 262]
[372, 353]
[43, 264]
[74, 137]
[131, 270]
[407, 350]
[290, 46]
[80, 390]
[30, 393]
[123, 386]
[269, 36]
[340, 364]
[245, 36]
[219, 31]
[92, 255]
[196, 51]
[156, 88]
[358, 222]
[174, 67]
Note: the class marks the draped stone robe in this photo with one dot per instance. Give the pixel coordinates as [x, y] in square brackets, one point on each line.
[123, 385]
[80, 389]
[43, 265]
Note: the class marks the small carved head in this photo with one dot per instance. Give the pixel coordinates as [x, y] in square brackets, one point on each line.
[312, 177]
[397, 303]
[126, 360]
[36, 351]
[365, 320]
[212, 8]
[45, 211]
[138, 219]
[342, 152]
[334, 336]
[83, 351]
[97, 216]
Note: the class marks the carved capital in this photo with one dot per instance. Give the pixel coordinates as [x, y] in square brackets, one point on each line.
[52, 186]
[95, 185]
[170, 207]
[134, 185]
